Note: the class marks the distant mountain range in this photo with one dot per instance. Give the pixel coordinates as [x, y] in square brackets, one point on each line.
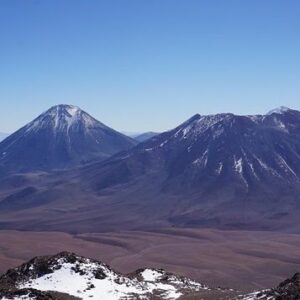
[63, 136]
[141, 137]
[223, 170]
[145, 136]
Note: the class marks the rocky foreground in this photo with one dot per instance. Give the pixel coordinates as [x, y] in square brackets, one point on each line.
[67, 276]
[286, 290]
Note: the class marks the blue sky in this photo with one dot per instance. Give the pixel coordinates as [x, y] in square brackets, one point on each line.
[141, 65]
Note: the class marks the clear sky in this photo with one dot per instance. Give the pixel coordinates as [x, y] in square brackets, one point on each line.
[140, 65]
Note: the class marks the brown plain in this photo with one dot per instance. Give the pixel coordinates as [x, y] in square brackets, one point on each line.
[244, 260]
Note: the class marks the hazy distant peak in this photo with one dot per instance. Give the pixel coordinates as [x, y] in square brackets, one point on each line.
[145, 136]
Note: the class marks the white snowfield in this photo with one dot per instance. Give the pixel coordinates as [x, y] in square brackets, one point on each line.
[254, 296]
[80, 279]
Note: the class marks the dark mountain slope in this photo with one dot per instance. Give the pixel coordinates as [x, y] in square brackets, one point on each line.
[221, 170]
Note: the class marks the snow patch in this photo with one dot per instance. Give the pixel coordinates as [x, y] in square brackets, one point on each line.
[220, 168]
[238, 165]
[202, 160]
[284, 165]
[254, 296]
[151, 275]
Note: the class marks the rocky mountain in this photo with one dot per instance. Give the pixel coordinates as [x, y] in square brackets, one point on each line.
[224, 171]
[69, 276]
[63, 136]
[145, 136]
[216, 170]
[286, 290]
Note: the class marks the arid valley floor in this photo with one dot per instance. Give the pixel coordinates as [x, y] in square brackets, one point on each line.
[244, 260]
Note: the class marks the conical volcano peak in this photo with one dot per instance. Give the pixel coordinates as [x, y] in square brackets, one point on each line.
[67, 109]
[61, 137]
[62, 117]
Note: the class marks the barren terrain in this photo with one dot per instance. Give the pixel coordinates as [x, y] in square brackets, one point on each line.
[243, 260]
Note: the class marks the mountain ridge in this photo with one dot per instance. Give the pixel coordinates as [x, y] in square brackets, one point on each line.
[85, 278]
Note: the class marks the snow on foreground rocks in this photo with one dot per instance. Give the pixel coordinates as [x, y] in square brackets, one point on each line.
[85, 278]
[289, 289]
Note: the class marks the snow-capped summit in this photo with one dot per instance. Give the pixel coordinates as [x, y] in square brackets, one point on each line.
[63, 136]
[278, 110]
[62, 117]
[66, 110]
